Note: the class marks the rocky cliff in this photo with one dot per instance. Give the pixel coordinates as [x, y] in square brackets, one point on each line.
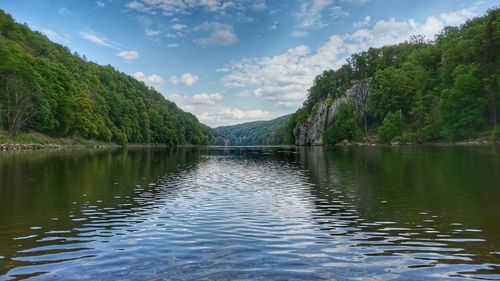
[323, 113]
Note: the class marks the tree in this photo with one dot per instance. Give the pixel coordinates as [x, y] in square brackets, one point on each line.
[345, 125]
[490, 61]
[16, 106]
[392, 126]
[361, 95]
[462, 106]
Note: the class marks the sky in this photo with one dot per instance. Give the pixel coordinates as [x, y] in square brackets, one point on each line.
[234, 61]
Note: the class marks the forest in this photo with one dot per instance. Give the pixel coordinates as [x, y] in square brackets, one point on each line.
[420, 90]
[250, 133]
[47, 89]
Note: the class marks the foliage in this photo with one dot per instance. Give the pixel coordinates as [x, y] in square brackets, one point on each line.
[65, 95]
[448, 87]
[392, 126]
[462, 105]
[250, 133]
[495, 134]
[345, 126]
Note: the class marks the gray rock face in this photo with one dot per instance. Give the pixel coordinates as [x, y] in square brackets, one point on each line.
[324, 112]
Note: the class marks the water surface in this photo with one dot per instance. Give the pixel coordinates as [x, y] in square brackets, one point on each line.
[383, 213]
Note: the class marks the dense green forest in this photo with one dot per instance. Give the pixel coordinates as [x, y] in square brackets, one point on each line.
[45, 88]
[250, 133]
[420, 90]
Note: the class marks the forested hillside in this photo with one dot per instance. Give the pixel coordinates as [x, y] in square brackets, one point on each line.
[419, 90]
[251, 133]
[46, 88]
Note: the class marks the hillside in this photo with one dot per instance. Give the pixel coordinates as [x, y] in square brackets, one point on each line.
[416, 91]
[46, 88]
[250, 133]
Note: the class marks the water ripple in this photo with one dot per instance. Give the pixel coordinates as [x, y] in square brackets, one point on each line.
[231, 217]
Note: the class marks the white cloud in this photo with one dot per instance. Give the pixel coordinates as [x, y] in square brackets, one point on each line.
[55, 36]
[154, 80]
[221, 116]
[97, 39]
[152, 32]
[299, 33]
[178, 26]
[207, 109]
[172, 45]
[365, 22]
[283, 79]
[100, 4]
[218, 34]
[128, 55]
[171, 7]
[312, 15]
[205, 98]
[259, 5]
[187, 79]
[457, 17]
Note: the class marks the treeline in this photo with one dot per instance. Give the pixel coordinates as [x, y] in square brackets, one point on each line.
[250, 133]
[46, 88]
[420, 90]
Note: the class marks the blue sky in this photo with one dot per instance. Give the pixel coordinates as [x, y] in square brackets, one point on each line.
[232, 61]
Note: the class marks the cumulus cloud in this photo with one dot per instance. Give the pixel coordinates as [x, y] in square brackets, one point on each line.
[218, 34]
[178, 26]
[153, 80]
[209, 111]
[97, 39]
[458, 17]
[172, 45]
[206, 98]
[128, 55]
[152, 32]
[283, 79]
[187, 79]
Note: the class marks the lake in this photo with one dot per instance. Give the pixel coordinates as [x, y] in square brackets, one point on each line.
[272, 213]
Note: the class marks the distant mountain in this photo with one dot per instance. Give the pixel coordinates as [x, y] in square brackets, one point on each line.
[46, 88]
[250, 133]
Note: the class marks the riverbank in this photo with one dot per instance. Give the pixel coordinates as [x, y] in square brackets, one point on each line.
[467, 142]
[38, 141]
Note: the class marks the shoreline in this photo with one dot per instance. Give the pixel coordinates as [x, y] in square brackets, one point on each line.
[5, 147]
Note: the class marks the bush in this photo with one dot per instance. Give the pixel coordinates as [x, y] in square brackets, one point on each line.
[407, 137]
[345, 126]
[392, 126]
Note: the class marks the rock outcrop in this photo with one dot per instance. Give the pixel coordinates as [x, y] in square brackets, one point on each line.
[323, 113]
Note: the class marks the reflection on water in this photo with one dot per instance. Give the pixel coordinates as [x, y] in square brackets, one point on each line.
[405, 213]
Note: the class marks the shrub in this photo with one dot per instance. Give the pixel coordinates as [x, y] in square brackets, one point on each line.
[345, 126]
[392, 126]
[495, 134]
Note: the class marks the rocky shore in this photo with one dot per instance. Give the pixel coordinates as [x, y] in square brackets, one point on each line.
[36, 146]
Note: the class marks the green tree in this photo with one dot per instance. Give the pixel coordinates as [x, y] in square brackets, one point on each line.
[344, 127]
[392, 126]
[462, 106]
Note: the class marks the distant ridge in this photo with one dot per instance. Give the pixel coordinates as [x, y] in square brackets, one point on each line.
[250, 133]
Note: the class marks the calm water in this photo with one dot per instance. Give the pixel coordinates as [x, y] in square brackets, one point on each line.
[401, 213]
